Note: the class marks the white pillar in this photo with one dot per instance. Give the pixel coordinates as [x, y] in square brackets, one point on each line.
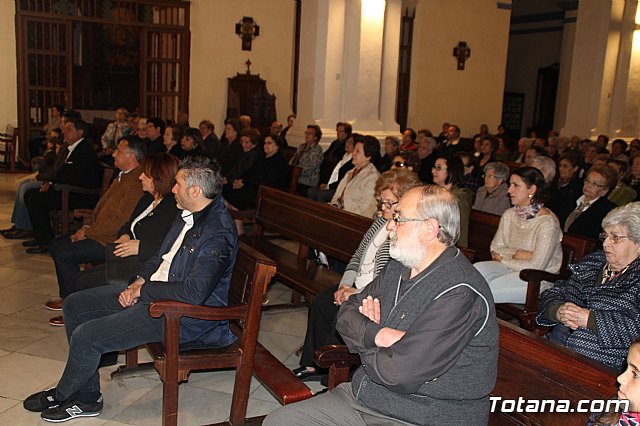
[348, 67]
[587, 67]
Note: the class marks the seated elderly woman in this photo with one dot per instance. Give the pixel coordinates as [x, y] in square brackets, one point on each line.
[324, 192]
[448, 173]
[369, 259]
[622, 194]
[528, 236]
[596, 312]
[272, 170]
[391, 149]
[586, 213]
[309, 157]
[406, 159]
[493, 196]
[569, 185]
[355, 192]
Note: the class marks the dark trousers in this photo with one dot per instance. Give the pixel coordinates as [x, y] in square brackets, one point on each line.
[90, 278]
[68, 257]
[96, 324]
[39, 204]
[321, 327]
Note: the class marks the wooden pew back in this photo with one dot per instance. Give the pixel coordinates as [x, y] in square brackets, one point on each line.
[335, 232]
[482, 228]
[534, 368]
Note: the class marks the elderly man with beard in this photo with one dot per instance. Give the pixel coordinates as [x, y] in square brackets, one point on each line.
[425, 330]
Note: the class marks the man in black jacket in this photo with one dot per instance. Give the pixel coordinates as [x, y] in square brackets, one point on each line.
[81, 168]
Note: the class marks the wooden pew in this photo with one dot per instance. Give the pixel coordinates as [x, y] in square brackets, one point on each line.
[528, 367]
[252, 273]
[312, 225]
[533, 368]
[482, 228]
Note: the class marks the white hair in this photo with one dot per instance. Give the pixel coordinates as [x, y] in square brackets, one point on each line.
[627, 216]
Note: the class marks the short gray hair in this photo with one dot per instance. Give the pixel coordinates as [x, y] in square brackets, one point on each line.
[204, 172]
[500, 170]
[440, 204]
[627, 216]
[546, 165]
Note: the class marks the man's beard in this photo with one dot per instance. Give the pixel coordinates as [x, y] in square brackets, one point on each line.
[410, 252]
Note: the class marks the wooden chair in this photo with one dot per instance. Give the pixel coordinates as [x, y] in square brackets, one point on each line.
[8, 148]
[252, 273]
[62, 217]
[573, 249]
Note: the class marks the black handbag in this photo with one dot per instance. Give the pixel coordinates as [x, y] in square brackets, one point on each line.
[121, 270]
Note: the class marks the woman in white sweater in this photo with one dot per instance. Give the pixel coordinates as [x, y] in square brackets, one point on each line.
[528, 237]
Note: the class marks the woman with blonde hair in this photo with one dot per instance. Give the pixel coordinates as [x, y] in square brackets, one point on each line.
[368, 260]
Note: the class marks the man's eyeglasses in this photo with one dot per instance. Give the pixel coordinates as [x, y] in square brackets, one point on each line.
[399, 164]
[386, 204]
[615, 239]
[397, 219]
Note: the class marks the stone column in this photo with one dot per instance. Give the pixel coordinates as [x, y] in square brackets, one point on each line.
[348, 67]
[603, 95]
[587, 67]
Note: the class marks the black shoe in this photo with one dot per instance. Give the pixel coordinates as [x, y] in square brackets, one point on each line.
[30, 243]
[8, 230]
[305, 375]
[38, 250]
[41, 401]
[72, 408]
[19, 234]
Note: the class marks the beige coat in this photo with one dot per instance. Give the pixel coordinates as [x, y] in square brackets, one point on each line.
[357, 192]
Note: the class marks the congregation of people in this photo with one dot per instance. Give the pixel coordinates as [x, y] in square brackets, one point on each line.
[409, 294]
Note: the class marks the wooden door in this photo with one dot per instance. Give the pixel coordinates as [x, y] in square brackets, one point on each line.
[45, 64]
[164, 72]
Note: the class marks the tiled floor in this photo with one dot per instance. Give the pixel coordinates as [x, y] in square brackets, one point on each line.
[33, 354]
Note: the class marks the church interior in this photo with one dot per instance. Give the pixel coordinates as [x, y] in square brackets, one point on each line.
[541, 70]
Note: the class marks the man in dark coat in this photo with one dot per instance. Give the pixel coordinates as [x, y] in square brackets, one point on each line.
[194, 266]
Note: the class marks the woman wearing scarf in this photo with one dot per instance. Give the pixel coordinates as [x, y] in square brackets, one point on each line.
[528, 237]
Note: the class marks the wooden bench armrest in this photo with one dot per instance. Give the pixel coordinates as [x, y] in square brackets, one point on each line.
[175, 310]
[76, 189]
[537, 276]
[337, 355]
[338, 360]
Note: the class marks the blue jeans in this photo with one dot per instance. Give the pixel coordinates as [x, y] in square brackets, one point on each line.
[68, 257]
[20, 215]
[96, 324]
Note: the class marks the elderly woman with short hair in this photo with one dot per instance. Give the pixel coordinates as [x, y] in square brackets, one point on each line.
[596, 312]
[493, 196]
[585, 214]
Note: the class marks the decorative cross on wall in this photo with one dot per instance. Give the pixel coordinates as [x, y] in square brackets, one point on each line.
[247, 30]
[462, 52]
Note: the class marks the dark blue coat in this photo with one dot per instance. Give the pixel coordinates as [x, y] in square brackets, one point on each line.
[200, 273]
